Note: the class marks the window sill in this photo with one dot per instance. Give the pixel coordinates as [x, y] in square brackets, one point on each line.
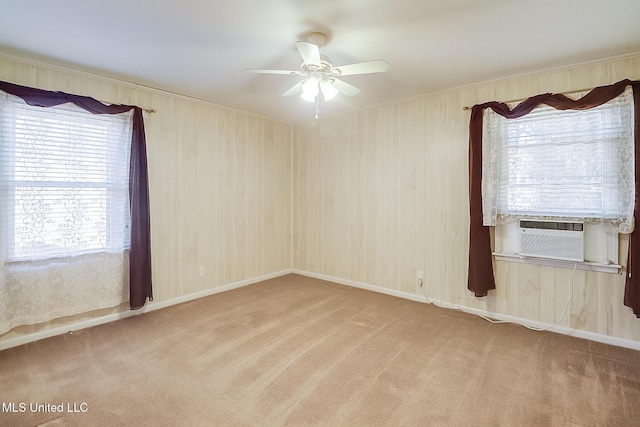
[586, 265]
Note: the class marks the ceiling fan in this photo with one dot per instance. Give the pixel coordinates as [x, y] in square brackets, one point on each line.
[320, 76]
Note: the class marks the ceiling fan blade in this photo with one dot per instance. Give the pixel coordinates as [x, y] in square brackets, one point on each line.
[310, 53]
[295, 89]
[345, 88]
[287, 72]
[377, 66]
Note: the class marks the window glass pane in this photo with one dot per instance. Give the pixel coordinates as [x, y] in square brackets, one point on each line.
[59, 219]
[65, 180]
[57, 147]
[565, 163]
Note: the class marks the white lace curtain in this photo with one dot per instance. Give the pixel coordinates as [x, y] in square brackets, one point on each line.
[570, 164]
[65, 211]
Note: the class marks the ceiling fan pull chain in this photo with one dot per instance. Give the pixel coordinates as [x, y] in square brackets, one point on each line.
[317, 105]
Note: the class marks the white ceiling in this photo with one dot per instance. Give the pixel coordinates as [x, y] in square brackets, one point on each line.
[200, 48]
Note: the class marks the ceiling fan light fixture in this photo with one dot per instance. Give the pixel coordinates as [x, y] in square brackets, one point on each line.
[308, 97]
[310, 89]
[328, 90]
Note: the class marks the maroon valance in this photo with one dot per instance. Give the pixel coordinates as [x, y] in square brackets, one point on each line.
[481, 278]
[140, 253]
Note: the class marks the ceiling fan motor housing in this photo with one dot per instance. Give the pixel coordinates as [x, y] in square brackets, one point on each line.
[324, 67]
[317, 38]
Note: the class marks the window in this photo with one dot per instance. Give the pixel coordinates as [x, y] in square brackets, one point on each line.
[575, 165]
[64, 175]
[65, 186]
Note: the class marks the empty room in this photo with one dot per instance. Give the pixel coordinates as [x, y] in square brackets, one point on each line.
[303, 213]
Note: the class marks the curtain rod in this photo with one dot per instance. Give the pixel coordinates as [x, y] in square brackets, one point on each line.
[522, 99]
[146, 110]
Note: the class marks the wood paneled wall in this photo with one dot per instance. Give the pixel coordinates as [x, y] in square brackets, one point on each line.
[377, 195]
[220, 186]
[382, 193]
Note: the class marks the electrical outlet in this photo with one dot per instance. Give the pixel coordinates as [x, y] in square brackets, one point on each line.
[202, 271]
[420, 277]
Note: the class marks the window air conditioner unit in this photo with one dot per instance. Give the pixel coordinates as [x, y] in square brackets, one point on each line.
[552, 240]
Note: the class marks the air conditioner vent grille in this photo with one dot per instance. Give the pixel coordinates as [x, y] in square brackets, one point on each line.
[554, 240]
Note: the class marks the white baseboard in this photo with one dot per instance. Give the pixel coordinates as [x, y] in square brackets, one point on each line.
[606, 339]
[196, 295]
[150, 306]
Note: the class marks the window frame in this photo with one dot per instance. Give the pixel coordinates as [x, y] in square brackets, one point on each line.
[510, 142]
[11, 187]
[601, 241]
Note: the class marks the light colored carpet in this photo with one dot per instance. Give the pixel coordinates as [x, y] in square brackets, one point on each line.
[299, 351]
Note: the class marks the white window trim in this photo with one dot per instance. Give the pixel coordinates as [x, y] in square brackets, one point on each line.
[600, 243]
[585, 265]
